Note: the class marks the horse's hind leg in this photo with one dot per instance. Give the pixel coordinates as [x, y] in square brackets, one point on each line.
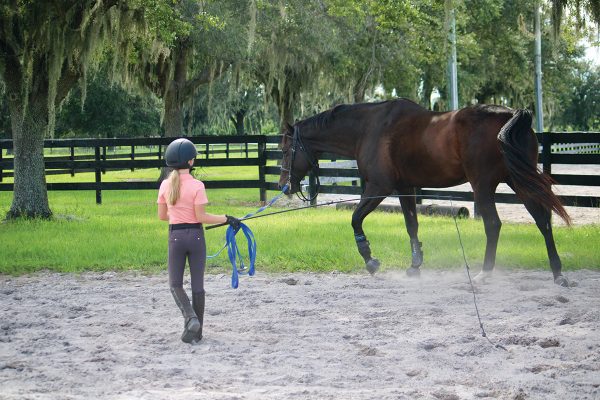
[409, 209]
[543, 221]
[366, 205]
[484, 200]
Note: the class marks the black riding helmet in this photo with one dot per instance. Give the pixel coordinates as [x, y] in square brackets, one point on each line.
[179, 152]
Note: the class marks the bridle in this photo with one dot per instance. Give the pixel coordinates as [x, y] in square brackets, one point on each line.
[297, 143]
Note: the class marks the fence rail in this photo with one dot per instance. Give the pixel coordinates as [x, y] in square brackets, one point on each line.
[101, 155]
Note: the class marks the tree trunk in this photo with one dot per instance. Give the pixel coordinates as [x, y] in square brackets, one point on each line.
[285, 106]
[359, 90]
[174, 99]
[238, 121]
[177, 90]
[427, 89]
[285, 99]
[30, 197]
[29, 125]
[173, 118]
[286, 112]
[172, 121]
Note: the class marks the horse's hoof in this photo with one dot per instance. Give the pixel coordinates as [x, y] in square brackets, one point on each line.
[373, 265]
[413, 272]
[482, 277]
[562, 281]
[417, 261]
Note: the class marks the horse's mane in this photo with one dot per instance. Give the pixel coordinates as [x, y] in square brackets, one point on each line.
[324, 119]
[492, 109]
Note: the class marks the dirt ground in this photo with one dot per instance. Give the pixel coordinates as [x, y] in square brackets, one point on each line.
[302, 336]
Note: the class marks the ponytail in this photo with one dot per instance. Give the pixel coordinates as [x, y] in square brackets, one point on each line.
[173, 193]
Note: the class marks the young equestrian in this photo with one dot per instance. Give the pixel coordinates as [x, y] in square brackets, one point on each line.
[181, 201]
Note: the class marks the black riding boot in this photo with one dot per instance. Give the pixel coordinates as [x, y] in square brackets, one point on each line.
[191, 326]
[198, 303]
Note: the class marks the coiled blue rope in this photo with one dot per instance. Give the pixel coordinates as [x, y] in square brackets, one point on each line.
[233, 251]
[235, 257]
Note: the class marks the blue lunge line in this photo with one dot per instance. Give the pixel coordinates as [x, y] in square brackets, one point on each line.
[235, 257]
[233, 251]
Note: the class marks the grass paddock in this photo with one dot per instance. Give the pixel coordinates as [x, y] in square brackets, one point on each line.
[124, 233]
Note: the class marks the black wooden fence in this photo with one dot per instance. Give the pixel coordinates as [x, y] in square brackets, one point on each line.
[101, 155]
[85, 155]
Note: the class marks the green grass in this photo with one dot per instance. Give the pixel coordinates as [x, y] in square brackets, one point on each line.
[124, 233]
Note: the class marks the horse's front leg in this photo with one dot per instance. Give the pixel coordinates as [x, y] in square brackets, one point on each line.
[367, 204]
[409, 209]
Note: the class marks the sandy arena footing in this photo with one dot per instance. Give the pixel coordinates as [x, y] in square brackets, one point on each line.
[302, 336]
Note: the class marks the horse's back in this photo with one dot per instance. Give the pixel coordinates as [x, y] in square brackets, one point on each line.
[420, 147]
[440, 149]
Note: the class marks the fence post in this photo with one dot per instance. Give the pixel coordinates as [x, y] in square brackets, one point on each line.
[159, 153]
[546, 156]
[103, 157]
[1, 171]
[546, 153]
[207, 151]
[98, 174]
[132, 157]
[72, 158]
[262, 163]
[312, 188]
[227, 150]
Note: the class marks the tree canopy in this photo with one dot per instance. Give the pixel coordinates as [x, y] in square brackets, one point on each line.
[184, 67]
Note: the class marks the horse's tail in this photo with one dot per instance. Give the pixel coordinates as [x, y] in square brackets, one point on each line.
[530, 183]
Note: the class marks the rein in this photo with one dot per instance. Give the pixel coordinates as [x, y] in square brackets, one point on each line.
[314, 165]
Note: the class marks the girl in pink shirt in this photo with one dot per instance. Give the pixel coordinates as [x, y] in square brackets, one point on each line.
[181, 201]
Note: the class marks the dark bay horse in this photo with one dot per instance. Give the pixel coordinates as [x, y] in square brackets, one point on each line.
[400, 146]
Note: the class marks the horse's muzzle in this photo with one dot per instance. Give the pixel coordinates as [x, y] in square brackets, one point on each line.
[284, 188]
[290, 188]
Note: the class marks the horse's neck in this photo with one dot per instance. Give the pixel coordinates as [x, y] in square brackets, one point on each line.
[334, 140]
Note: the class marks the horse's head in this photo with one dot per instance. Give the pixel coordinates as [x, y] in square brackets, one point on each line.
[295, 163]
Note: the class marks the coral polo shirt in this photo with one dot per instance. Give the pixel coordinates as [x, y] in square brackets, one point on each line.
[191, 193]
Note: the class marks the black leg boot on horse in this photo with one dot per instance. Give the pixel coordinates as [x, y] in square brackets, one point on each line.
[417, 258]
[365, 206]
[198, 300]
[364, 248]
[191, 325]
